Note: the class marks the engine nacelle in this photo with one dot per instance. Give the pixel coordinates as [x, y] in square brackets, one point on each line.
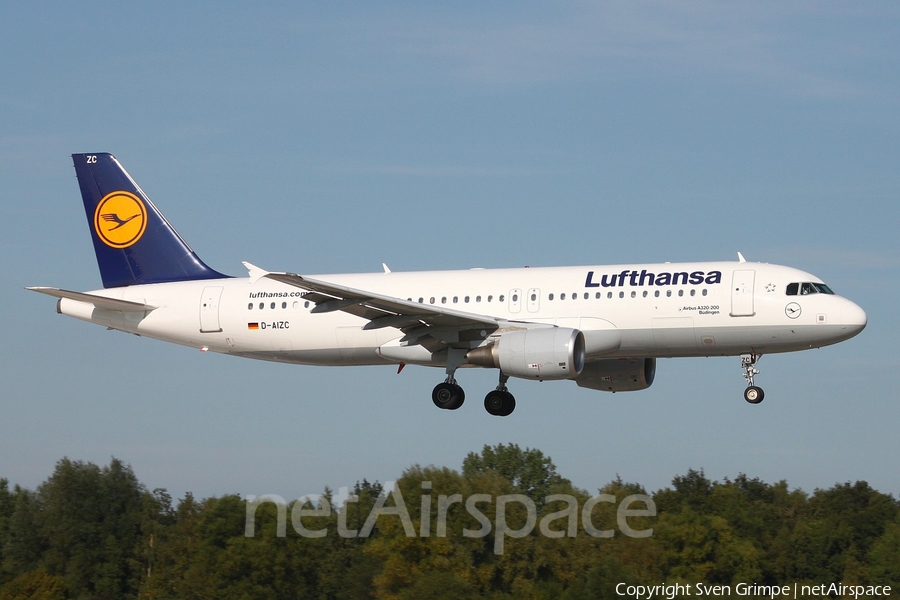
[618, 374]
[548, 353]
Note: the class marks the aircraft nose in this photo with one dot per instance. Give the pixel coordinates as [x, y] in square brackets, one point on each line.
[853, 318]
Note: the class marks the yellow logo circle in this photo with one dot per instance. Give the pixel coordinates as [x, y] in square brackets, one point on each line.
[120, 219]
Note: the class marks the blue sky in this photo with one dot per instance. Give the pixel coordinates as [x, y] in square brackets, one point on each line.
[330, 138]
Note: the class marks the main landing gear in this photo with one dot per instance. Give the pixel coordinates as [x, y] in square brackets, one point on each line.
[753, 394]
[500, 402]
[450, 396]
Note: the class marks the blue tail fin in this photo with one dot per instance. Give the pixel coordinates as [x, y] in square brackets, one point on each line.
[133, 241]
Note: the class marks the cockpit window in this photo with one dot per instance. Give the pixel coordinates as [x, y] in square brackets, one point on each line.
[806, 288]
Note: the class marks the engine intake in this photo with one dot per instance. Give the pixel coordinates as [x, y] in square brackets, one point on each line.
[549, 353]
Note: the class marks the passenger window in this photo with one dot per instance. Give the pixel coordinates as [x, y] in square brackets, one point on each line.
[477, 298]
[250, 306]
[693, 292]
[656, 294]
[792, 289]
[645, 293]
[704, 292]
[467, 299]
[608, 295]
[455, 299]
[562, 296]
[668, 293]
[680, 293]
[306, 304]
[272, 305]
[533, 297]
[262, 305]
[444, 300]
[515, 298]
[550, 297]
[575, 296]
[421, 300]
[586, 295]
[634, 294]
[599, 295]
[284, 305]
[621, 294]
[431, 300]
[490, 297]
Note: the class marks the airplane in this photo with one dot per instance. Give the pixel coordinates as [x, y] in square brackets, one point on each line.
[604, 327]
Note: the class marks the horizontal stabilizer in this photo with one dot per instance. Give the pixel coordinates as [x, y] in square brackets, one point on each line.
[98, 301]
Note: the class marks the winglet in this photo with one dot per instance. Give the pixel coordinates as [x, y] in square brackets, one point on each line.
[255, 272]
[741, 258]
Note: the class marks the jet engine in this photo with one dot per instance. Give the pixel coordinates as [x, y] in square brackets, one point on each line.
[618, 374]
[548, 353]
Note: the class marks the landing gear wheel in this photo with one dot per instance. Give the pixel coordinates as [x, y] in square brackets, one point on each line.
[499, 403]
[754, 394]
[447, 395]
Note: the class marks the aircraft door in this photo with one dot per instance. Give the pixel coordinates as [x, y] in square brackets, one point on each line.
[515, 300]
[742, 293]
[209, 309]
[534, 300]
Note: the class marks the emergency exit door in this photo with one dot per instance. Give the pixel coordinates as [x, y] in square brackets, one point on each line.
[742, 293]
[209, 310]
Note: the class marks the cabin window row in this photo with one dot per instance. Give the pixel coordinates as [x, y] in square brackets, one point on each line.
[466, 299]
[273, 305]
[515, 297]
[551, 296]
[621, 294]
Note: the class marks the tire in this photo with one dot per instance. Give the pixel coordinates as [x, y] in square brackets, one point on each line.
[754, 394]
[509, 404]
[499, 403]
[448, 396]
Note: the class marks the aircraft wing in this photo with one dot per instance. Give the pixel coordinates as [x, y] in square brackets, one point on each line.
[98, 301]
[434, 327]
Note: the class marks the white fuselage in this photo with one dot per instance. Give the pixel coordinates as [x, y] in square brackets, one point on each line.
[655, 310]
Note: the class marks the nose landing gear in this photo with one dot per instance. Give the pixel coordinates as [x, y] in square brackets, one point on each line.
[753, 394]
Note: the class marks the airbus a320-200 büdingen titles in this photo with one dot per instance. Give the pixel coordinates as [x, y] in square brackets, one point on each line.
[602, 327]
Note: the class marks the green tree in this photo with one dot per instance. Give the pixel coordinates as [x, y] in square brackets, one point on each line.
[884, 557]
[34, 585]
[530, 472]
[24, 543]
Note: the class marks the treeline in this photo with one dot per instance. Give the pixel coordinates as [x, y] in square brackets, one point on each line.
[96, 532]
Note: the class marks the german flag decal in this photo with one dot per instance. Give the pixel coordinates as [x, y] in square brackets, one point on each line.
[252, 326]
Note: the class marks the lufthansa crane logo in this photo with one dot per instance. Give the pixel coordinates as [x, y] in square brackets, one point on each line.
[120, 219]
